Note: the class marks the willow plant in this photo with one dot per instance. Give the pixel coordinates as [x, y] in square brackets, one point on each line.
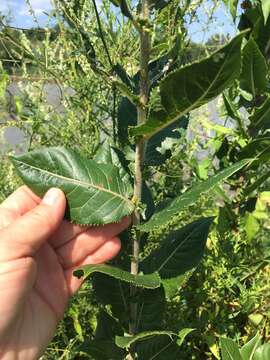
[155, 102]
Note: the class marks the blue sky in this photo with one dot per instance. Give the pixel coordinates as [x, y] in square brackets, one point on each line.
[21, 17]
[20, 11]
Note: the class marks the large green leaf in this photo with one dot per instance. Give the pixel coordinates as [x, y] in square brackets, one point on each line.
[150, 281]
[179, 252]
[260, 119]
[95, 192]
[265, 9]
[229, 350]
[262, 353]
[248, 350]
[254, 69]
[125, 342]
[169, 210]
[193, 86]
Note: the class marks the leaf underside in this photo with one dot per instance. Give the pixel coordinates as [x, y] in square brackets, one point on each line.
[96, 193]
[150, 281]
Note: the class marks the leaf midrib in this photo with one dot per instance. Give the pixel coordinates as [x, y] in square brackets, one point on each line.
[78, 182]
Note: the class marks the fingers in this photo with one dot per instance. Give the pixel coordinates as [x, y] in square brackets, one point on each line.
[24, 236]
[68, 231]
[21, 201]
[65, 233]
[105, 253]
[88, 242]
[16, 205]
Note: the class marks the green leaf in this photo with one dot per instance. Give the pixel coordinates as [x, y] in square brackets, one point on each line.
[151, 307]
[231, 110]
[180, 252]
[95, 192]
[126, 116]
[229, 350]
[169, 210]
[262, 353]
[158, 348]
[173, 285]
[183, 334]
[257, 183]
[193, 86]
[125, 342]
[109, 154]
[102, 350]
[150, 281]
[232, 6]
[253, 76]
[248, 350]
[115, 293]
[265, 9]
[148, 200]
[259, 149]
[107, 327]
[260, 119]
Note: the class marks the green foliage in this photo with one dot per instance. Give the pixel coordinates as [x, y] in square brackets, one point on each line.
[253, 350]
[200, 83]
[254, 69]
[96, 54]
[151, 281]
[179, 252]
[265, 10]
[86, 184]
[229, 350]
[168, 210]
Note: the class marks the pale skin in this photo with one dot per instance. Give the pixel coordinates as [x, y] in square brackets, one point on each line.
[38, 252]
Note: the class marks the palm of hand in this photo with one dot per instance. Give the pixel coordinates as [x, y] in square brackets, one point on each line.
[35, 289]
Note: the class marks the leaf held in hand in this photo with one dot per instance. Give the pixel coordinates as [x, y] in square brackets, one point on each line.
[95, 193]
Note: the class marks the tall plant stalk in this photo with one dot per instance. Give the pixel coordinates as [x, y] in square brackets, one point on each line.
[139, 157]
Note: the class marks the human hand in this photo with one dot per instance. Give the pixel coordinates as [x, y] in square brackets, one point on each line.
[38, 254]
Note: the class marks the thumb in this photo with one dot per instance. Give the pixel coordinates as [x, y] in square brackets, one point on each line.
[23, 237]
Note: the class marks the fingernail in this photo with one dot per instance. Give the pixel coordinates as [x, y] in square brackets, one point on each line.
[51, 197]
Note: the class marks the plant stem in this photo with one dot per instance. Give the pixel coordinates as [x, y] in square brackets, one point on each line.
[138, 180]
